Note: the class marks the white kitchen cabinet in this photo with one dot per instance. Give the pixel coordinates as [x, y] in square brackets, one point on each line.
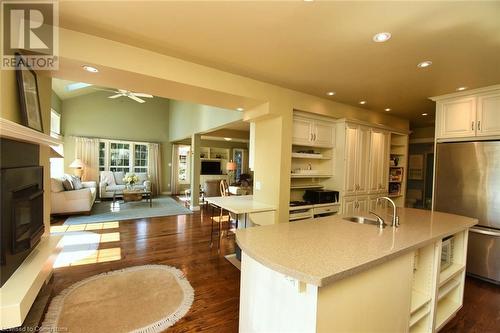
[488, 114]
[323, 133]
[471, 115]
[349, 205]
[302, 132]
[457, 118]
[357, 152]
[379, 161]
[353, 205]
[313, 132]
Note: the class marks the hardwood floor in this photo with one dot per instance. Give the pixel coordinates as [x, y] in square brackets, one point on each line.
[180, 241]
[183, 242]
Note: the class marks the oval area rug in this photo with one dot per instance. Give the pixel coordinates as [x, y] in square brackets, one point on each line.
[138, 299]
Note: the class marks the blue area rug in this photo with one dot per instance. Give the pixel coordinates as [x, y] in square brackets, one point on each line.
[105, 211]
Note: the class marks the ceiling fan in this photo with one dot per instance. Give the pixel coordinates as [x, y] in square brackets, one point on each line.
[132, 95]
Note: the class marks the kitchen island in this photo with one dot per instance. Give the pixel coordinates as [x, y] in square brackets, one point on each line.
[333, 275]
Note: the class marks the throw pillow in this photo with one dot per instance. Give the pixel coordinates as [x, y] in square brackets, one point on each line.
[77, 183]
[119, 175]
[67, 184]
[142, 176]
[56, 185]
[108, 178]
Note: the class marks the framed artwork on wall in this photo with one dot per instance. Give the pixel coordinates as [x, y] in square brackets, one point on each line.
[28, 95]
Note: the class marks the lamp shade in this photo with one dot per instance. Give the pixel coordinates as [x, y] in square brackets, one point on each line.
[231, 166]
[78, 163]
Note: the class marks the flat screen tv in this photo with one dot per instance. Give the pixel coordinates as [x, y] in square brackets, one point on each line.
[210, 168]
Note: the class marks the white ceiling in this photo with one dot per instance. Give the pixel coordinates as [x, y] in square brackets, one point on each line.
[318, 46]
[60, 87]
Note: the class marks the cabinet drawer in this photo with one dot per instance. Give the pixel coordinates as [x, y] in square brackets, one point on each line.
[326, 209]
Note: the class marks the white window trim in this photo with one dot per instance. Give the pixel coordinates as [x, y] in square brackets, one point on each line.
[132, 144]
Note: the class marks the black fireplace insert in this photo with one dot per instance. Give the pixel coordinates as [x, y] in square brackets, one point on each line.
[21, 218]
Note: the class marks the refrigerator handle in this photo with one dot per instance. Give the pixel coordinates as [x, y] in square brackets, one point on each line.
[485, 232]
[472, 126]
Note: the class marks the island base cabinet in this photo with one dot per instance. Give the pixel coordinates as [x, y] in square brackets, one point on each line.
[273, 302]
[374, 300]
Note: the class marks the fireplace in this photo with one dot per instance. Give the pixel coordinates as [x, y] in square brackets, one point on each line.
[21, 218]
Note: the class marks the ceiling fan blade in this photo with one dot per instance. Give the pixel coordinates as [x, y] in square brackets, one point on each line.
[136, 98]
[116, 96]
[142, 95]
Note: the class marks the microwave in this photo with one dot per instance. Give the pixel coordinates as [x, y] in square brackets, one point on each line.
[321, 196]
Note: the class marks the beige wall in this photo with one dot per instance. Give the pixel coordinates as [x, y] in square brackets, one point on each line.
[187, 118]
[95, 115]
[423, 133]
[10, 110]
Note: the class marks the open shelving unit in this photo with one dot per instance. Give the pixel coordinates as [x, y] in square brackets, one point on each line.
[449, 292]
[437, 294]
[398, 168]
[311, 169]
[422, 289]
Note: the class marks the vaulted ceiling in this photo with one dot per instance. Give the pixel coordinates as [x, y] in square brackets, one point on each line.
[318, 46]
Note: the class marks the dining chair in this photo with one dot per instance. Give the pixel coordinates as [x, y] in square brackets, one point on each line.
[221, 218]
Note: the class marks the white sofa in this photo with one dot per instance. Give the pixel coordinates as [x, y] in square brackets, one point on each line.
[71, 202]
[112, 184]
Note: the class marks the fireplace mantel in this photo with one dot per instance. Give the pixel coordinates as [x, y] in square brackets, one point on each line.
[15, 131]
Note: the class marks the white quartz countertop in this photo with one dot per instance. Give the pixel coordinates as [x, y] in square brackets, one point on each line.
[323, 250]
[240, 204]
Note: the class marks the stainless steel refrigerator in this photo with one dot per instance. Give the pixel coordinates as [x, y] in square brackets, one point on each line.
[468, 183]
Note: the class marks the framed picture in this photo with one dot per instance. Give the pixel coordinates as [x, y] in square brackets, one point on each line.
[28, 95]
[416, 167]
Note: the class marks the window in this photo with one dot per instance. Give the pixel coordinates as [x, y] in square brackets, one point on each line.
[120, 157]
[123, 156]
[183, 164]
[55, 124]
[141, 158]
[56, 164]
[102, 156]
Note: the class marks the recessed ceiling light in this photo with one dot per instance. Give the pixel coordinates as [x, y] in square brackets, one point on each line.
[382, 37]
[424, 114]
[90, 69]
[362, 102]
[424, 64]
[387, 109]
[330, 93]
[227, 139]
[461, 88]
[239, 109]
[308, 0]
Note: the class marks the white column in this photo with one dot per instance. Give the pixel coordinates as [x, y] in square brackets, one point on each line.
[195, 171]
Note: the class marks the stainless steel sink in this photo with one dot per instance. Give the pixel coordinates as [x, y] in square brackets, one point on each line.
[361, 220]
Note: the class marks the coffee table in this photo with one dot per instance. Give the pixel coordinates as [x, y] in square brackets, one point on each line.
[134, 195]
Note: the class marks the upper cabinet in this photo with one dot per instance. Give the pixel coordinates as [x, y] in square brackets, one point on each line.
[456, 118]
[488, 114]
[312, 132]
[460, 116]
[379, 161]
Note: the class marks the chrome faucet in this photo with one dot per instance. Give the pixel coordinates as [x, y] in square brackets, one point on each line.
[380, 220]
[395, 217]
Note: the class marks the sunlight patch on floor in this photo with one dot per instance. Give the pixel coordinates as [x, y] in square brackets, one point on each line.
[77, 258]
[83, 227]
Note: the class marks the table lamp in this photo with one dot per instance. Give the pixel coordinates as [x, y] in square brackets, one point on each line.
[231, 167]
[78, 165]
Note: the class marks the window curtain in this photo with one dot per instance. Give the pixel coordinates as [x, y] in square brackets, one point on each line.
[154, 163]
[87, 149]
